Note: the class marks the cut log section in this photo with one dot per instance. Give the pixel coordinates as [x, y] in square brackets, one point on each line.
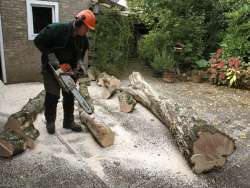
[109, 83]
[19, 131]
[204, 145]
[11, 144]
[101, 132]
[101, 77]
[126, 101]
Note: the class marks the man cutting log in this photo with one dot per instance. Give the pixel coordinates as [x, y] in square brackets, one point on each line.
[64, 44]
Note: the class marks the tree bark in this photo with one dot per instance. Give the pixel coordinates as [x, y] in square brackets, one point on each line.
[203, 145]
[19, 131]
[11, 144]
[101, 132]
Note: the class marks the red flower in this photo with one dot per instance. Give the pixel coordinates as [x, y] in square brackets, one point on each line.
[221, 64]
[215, 65]
[234, 62]
[222, 76]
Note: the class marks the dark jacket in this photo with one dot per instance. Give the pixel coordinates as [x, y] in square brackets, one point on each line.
[58, 38]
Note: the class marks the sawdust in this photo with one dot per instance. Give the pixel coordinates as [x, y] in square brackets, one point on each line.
[141, 142]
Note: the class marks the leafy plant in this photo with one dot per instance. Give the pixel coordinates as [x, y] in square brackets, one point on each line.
[236, 40]
[201, 64]
[232, 76]
[163, 62]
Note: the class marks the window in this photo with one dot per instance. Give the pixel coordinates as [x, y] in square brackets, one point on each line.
[40, 14]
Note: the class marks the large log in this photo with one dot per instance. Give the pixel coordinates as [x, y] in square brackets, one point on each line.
[19, 131]
[204, 145]
[101, 132]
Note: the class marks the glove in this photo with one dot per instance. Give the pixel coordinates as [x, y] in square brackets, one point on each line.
[66, 68]
[81, 68]
[53, 60]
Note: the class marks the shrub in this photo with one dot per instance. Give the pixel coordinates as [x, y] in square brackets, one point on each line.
[111, 41]
[230, 71]
[236, 42]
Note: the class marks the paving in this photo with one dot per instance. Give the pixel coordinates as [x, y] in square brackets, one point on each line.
[144, 154]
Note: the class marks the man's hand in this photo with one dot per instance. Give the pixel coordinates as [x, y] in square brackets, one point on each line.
[81, 68]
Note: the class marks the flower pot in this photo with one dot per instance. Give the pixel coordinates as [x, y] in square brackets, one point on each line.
[169, 77]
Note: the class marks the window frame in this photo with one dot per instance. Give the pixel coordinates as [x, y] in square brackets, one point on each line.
[37, 3]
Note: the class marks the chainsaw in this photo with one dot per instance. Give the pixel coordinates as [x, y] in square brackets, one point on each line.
[67, 83]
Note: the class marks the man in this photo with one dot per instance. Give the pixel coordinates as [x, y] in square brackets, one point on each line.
[64, 44]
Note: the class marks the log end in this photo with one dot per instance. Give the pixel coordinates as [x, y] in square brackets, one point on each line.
[127, 102]
[107, 140]
[127, 108]
[210, 151]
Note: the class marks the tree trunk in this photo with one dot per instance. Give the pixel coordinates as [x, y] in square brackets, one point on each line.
[101, 132]
[203, 145]
[19, 131]
[126, 101]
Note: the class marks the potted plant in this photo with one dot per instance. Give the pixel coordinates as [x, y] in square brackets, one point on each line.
[164, 63]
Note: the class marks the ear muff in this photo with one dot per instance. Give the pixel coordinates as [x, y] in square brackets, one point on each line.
[79, 21]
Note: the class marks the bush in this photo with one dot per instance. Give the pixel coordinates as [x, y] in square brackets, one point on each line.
[236, 42]
[111, 41]
[172, 23]
[230, 71]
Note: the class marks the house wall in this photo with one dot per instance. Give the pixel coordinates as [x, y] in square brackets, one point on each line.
[21, 57]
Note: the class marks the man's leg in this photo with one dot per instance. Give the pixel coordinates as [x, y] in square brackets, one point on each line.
[68, 108]
[50, 111]
[52, 89]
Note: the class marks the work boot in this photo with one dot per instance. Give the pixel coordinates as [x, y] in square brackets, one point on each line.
[50, 127]
[70, 124]
[68, 108]
[50, 105]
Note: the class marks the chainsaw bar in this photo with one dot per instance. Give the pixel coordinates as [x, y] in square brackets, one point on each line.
[71, 87]
[68, 84]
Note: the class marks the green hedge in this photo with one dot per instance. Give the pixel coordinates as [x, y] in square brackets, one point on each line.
[110, 42]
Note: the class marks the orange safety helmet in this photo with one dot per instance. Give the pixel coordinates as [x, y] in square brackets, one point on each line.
[87, 17]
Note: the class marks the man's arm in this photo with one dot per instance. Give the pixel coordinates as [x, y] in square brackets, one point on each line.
[43, 40]
[82, 62]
